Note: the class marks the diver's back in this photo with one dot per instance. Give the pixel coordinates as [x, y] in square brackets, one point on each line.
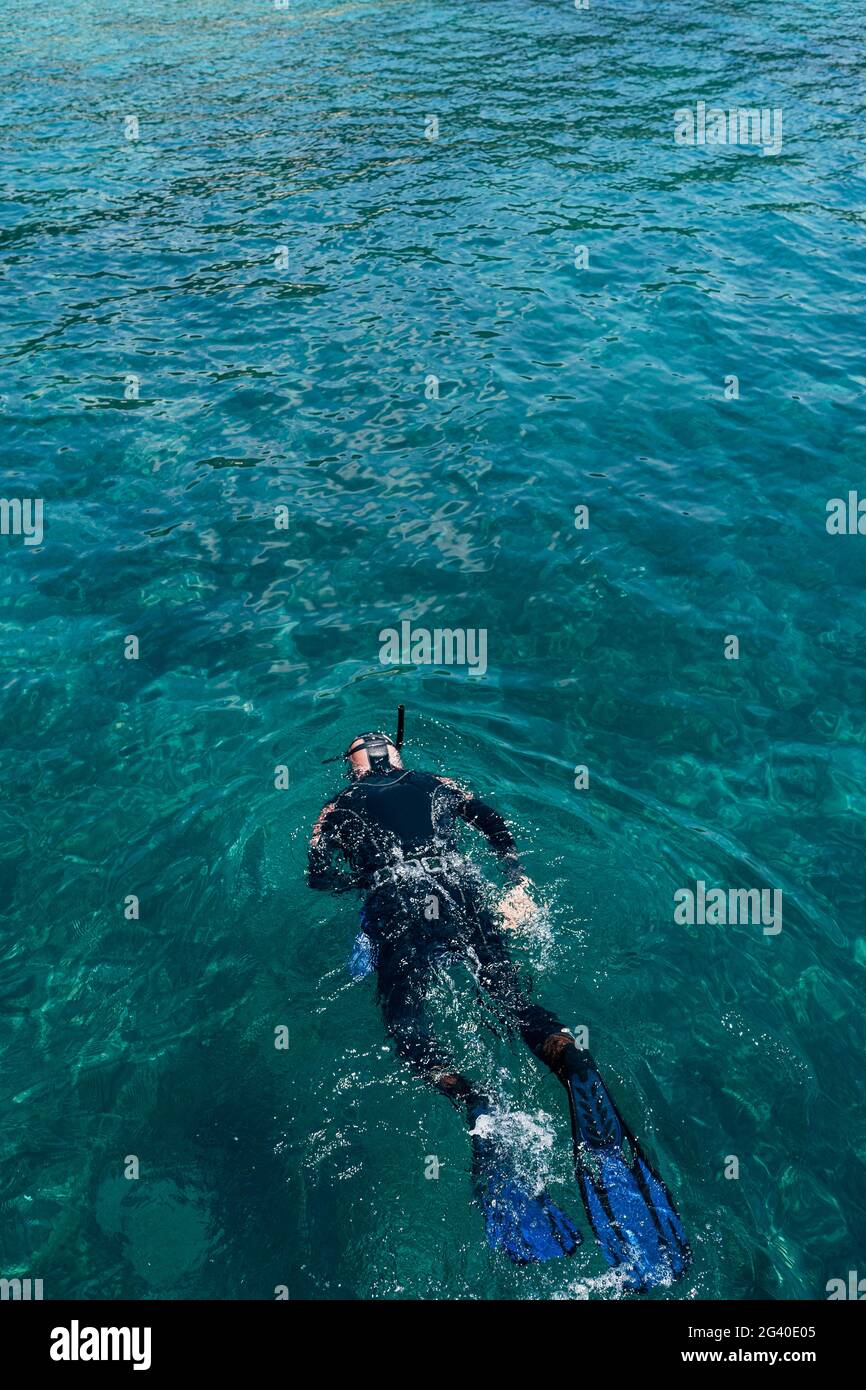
[396, 807]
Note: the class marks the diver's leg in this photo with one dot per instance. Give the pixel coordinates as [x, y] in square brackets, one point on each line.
[523, 1225]
[628, 1205]
[402, 986]
[510, 992]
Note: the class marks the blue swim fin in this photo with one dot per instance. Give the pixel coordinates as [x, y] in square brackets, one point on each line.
[362, 960]
[629, 1207]
[527, 1228]
[363, 957]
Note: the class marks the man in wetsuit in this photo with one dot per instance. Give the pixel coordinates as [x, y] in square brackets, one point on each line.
[396, 831]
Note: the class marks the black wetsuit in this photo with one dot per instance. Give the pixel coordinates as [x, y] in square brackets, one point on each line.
[397, 832]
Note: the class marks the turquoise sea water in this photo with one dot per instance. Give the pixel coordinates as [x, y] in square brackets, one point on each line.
[300, 378]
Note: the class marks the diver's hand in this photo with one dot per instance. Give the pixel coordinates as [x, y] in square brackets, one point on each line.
[516, 906]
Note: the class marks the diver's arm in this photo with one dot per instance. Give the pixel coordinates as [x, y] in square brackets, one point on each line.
[516, 905]
[325, 841]
[495, 831]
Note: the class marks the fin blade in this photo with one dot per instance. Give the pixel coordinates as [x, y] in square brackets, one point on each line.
[528, 1229]
[628, 1205]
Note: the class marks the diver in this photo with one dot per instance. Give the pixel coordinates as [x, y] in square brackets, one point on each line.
[393, 833]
